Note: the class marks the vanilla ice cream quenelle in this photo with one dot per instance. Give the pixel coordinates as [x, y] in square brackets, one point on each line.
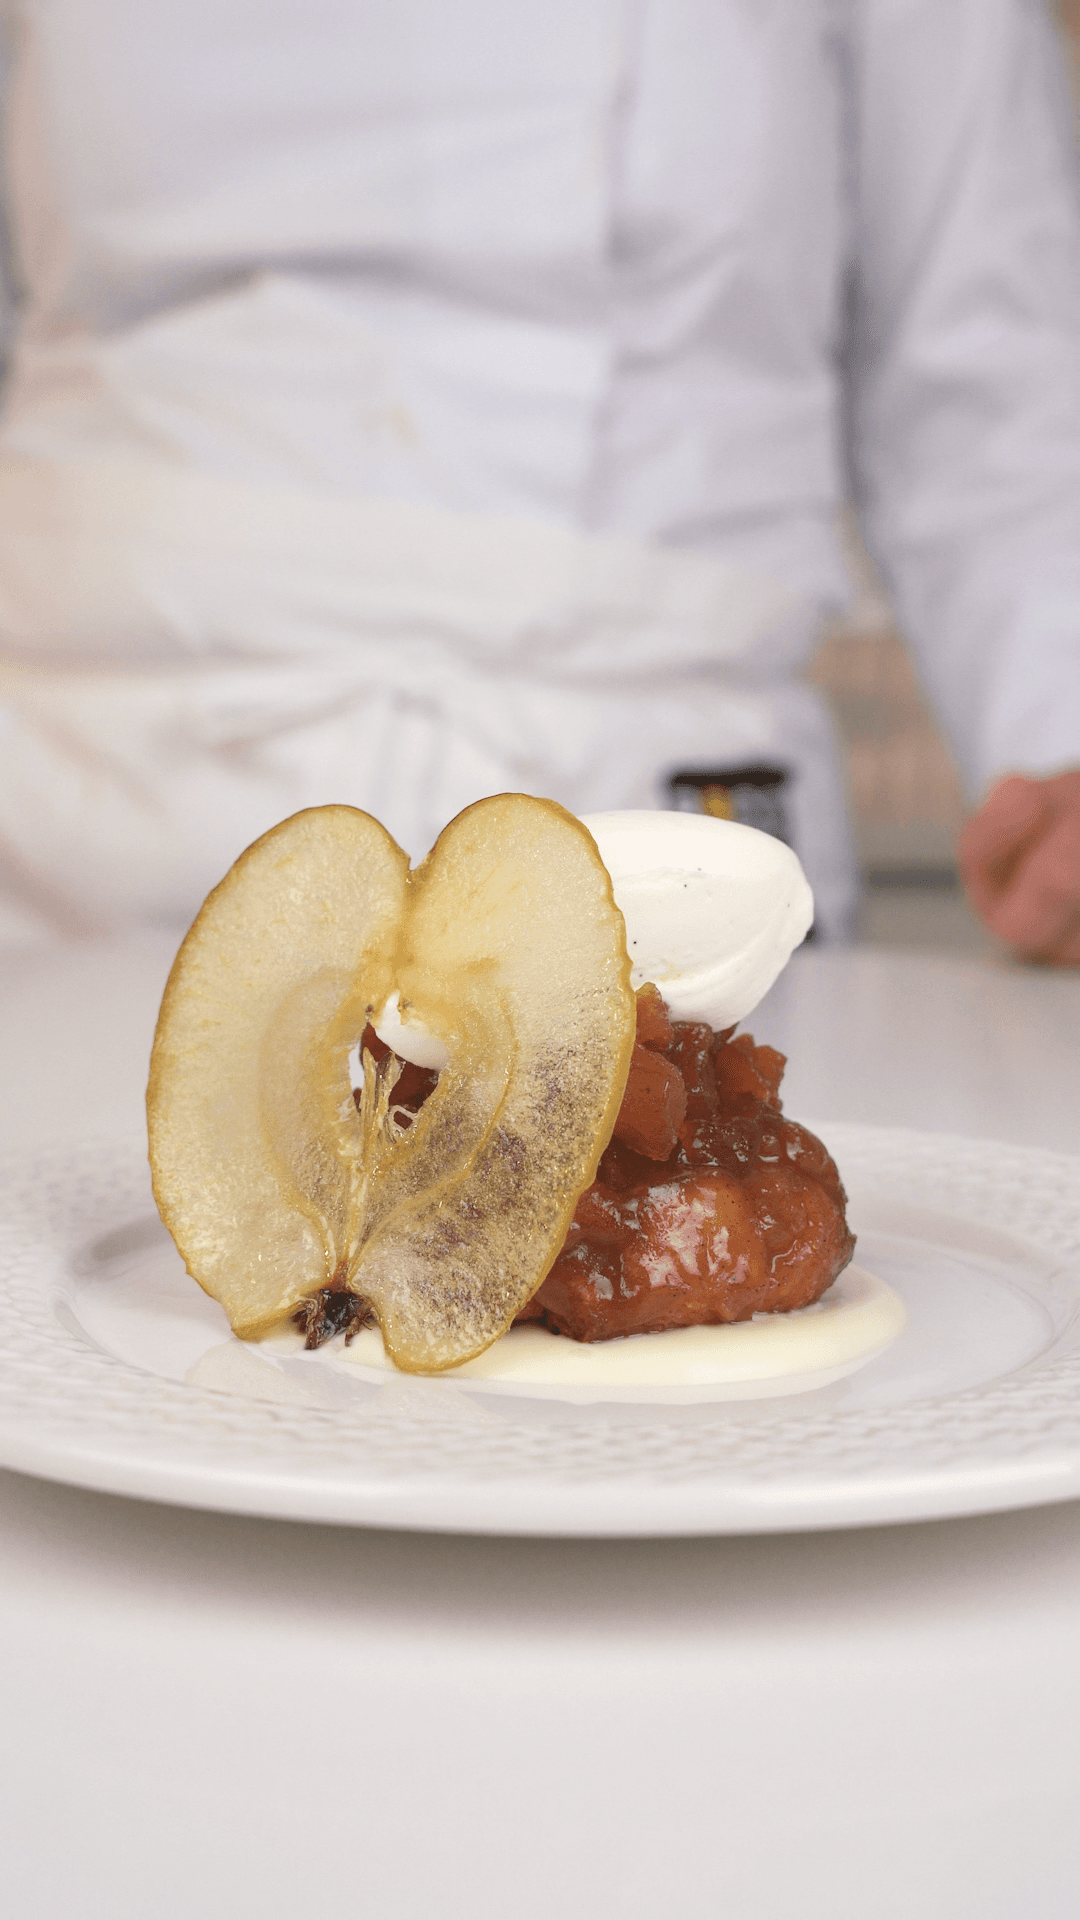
[713, 910]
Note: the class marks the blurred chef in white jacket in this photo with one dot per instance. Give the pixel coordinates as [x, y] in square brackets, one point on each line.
[408, 401]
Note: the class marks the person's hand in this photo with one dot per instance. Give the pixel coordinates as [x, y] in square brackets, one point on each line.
[1020, 863]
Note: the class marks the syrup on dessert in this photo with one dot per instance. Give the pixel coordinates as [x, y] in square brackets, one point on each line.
[708, 1206]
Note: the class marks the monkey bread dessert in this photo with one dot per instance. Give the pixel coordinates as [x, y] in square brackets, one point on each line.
[708, 1206]
[501, 1086]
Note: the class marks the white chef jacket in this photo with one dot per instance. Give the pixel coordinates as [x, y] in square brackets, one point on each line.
[409, 400]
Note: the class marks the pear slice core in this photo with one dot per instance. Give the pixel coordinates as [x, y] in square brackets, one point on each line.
[505, 943]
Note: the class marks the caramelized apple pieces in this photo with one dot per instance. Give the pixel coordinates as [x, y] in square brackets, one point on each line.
[507, 944]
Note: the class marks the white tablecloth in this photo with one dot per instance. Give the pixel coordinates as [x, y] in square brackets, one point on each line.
[208, 1716]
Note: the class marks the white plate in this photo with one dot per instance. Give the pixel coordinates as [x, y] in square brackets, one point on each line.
[974, 1408]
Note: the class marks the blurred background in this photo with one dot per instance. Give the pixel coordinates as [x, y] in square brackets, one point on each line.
[904, 793]
[903, 787]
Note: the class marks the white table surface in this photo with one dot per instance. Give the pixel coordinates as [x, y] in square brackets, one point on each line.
[210, 1716]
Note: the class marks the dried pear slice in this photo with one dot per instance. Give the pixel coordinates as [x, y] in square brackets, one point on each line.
[250, 1174]
[514, 953]
[507, 943]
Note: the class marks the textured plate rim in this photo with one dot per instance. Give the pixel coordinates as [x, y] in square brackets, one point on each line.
[95, 1422]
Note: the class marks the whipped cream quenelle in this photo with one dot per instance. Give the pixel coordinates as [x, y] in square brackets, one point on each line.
[713, 913]
[713, 910]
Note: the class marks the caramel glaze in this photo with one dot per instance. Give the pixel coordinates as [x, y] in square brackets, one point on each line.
[708, 1205]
